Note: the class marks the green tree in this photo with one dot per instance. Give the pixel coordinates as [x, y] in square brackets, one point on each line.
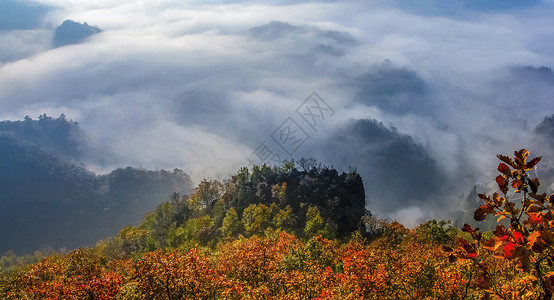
[197, 231]
[315, 224]
[433, 231]
[256, 218]
[133, 239]
[280, 193]
[231, 224]
[158, 223]
[285, 220]
[205, 195]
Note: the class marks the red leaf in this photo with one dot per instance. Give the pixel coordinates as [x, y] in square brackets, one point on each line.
[504, 169]
[467, 228]
[463, 242]
[502, 184]
[535, 217]
[510, 250]
[518, 238]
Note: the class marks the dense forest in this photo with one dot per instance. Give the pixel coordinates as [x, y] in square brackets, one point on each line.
[284, 233]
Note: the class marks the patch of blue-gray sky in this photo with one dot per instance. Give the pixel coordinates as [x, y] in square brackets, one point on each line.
[453, 8]
[16, 14]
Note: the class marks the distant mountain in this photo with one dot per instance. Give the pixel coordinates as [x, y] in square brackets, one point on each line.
[397, 171]
[397, 90]
[327, 42]
[71, 32]
[546, 127]
[48, 201]
[59, 136]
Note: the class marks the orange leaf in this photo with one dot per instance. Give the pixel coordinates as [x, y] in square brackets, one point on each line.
[497, 200]
[501, 218]
[536, 242]
[533, 237]
[516, 184]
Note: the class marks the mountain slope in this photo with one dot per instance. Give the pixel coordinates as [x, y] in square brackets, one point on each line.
[48, 201]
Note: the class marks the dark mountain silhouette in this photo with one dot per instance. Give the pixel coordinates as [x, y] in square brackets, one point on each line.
[340, 197]
[546, 127]
[59, 136]
[48, 201]
[397, 171]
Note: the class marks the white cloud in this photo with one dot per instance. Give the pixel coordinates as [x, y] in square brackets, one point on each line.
[20, 44]
[169, 83]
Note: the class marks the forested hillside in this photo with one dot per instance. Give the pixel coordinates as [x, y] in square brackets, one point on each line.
[280, 233]
[257, 201]
[48, 201]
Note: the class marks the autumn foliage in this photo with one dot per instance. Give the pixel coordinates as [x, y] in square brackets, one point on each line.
[516, 261]
[278, 267]
[202, 248]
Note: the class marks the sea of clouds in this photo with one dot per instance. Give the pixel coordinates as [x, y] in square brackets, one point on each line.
[199, 85]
